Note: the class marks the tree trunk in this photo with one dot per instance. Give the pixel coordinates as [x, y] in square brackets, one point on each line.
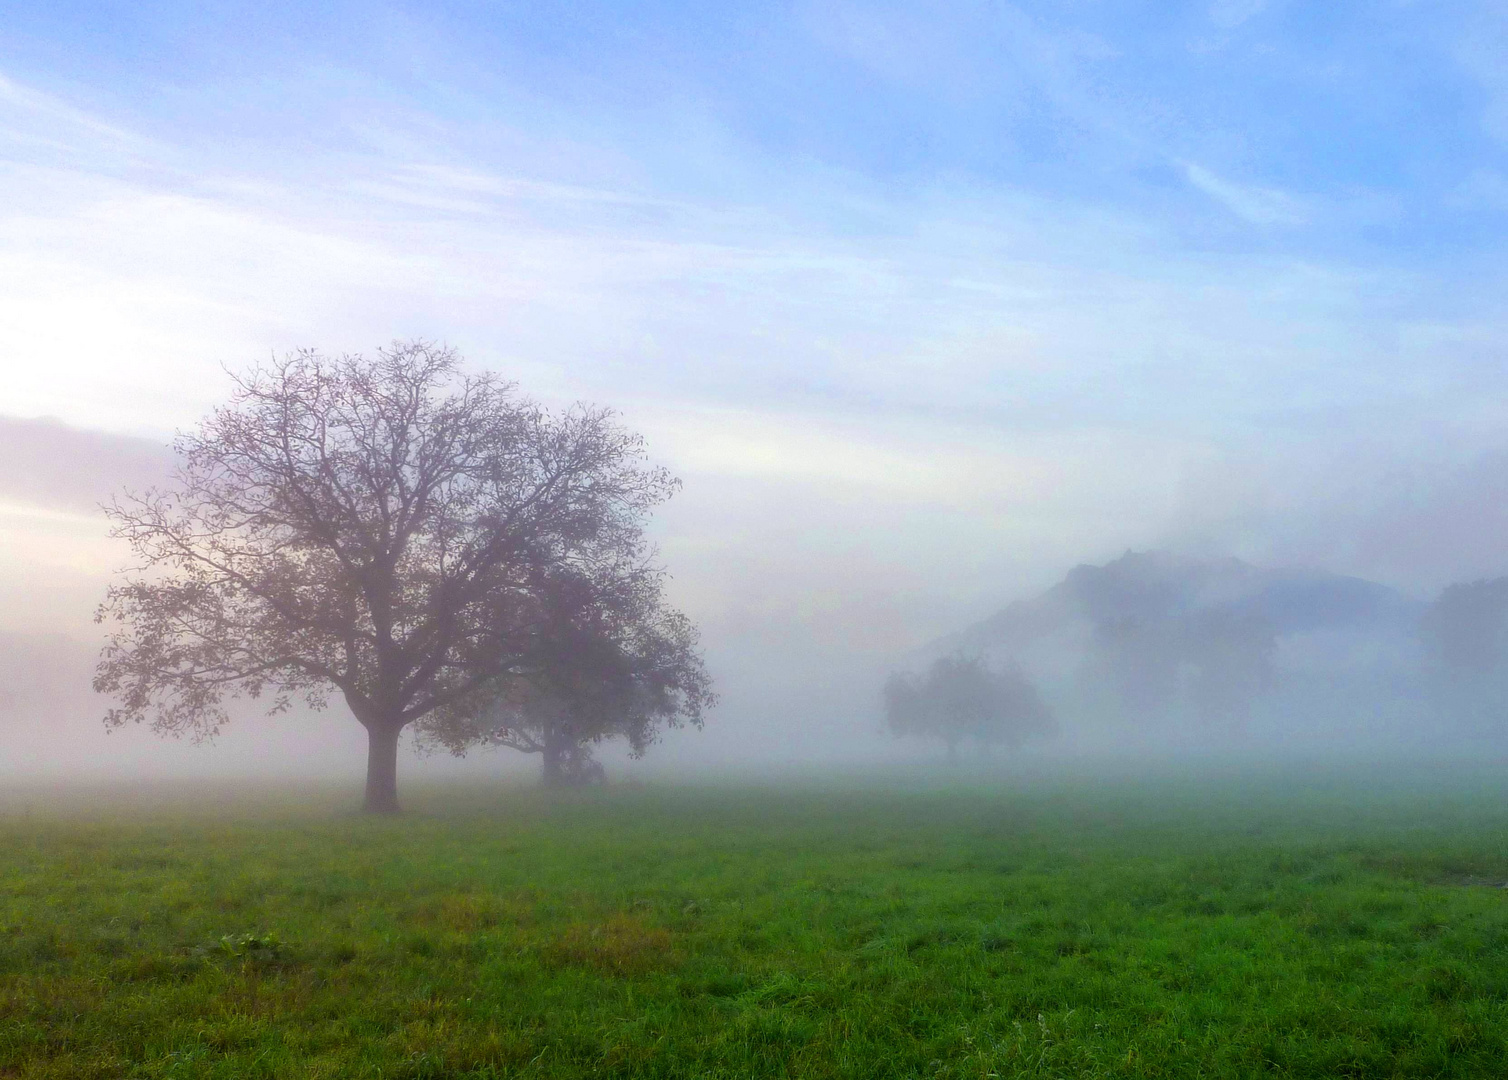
[553, 773]
[382, 769]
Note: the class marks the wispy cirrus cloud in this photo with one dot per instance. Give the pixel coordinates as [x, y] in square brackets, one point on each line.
[31, 120]
[1232, 13]
[1250, 202]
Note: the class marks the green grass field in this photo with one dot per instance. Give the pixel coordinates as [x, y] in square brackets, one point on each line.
[1308, 925]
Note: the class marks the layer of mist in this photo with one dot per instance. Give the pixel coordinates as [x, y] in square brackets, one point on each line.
[1152, 656]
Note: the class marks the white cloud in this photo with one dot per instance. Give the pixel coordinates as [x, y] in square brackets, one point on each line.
[1253, 203]
[1482, 189]
[1480, 53]
[32, 120]
[1229, 14]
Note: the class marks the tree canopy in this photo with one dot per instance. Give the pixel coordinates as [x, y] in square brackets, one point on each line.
[391, 529]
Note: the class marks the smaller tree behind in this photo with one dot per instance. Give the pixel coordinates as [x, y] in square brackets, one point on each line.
[960, 699]
[609, 659]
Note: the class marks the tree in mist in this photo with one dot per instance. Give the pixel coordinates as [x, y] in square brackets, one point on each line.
[390, 529]
[611, 661]
[1215, 664]
[1231, 658]
[1138, 657]
[1466, 628]
[960, 698]
[1465, 634]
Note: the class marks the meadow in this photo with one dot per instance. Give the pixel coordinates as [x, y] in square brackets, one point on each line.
[1278, 923]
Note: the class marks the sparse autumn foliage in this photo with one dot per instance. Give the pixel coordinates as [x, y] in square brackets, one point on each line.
[390, 529]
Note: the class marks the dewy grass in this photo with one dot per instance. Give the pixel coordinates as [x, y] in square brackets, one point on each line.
[1309, 928]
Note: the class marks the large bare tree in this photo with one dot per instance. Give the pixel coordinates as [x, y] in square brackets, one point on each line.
[385, 528]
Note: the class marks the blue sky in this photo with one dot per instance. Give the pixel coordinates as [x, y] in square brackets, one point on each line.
[926, 302]
[1366, 130]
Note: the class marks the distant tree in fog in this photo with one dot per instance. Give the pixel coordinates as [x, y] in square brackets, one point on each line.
[1214, 664]
[1139, 658]
[1466, 628]
[1230, 654]
[612, 661]
[1465, 634]
[390, 529]
[960, 699]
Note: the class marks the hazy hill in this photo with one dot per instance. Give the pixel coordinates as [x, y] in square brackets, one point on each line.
[1138, 643]
[1156, 585]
